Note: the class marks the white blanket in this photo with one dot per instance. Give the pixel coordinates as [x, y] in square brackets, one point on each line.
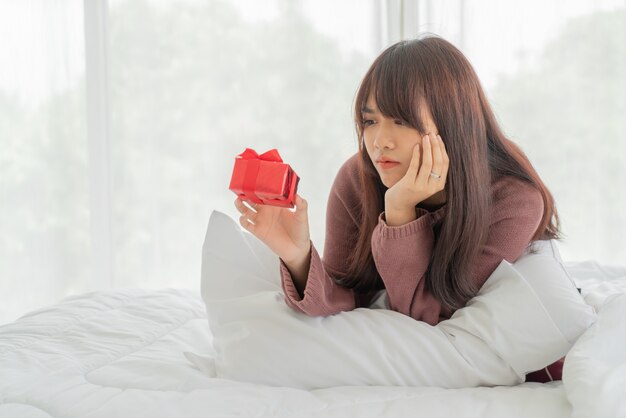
[120, 354]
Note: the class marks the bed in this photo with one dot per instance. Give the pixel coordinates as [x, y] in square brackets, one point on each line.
[121, 353]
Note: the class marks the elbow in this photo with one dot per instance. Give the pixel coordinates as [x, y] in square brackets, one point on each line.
[316, 310]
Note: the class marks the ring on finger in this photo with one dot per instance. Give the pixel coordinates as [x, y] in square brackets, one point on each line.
[435, 175]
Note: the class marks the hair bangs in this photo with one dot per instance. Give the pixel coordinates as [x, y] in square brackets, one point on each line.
[393, 84]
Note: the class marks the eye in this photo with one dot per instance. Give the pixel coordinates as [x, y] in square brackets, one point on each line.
[367, 122]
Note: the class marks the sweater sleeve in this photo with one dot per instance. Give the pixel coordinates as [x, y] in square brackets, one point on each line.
[402, 253]
[322, 295]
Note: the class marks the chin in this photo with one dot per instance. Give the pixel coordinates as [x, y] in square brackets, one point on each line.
[387, 183]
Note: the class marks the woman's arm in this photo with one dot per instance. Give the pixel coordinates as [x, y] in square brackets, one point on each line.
[402, 253]
[299, 271]
[315, 292]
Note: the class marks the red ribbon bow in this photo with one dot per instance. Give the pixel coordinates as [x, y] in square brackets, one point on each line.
[271, 155]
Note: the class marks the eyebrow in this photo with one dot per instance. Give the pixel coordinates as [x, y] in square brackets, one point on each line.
[366, 109]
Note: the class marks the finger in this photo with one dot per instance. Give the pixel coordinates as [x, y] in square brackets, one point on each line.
[446, 162]
[415, 163]
[245, 224]
[245, 210]
[437, 158]
[444, 153]
[239, 205]
[427, 161]
[252, 205]
[301, 206]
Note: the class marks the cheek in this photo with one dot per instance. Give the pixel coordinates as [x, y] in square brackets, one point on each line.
[368, 147]
[408, 153]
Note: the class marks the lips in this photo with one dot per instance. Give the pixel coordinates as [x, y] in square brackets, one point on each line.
[387, 163]
[386, 160]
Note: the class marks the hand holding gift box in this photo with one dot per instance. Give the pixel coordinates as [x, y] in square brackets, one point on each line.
[264, 179]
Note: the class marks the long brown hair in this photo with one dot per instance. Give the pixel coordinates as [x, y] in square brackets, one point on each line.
[430, 71]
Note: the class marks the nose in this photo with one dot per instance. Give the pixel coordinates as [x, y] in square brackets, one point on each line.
[384, 138]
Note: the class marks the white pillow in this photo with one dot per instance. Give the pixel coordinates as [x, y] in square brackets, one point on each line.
[556, 289]
[503, 333]
[594, 374]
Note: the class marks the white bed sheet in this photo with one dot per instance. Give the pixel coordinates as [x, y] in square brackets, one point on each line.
[120, 354]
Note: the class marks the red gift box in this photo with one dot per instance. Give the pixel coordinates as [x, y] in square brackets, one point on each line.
[264, 179]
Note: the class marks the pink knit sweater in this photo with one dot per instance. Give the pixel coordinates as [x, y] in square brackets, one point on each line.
[401, 253]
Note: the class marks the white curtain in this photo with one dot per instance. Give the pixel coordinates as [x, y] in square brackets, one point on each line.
[44, 217]
[555, 75]
[109, 176]
[119, 121]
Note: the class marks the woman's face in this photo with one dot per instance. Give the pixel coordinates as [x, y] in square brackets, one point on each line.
[391, 139]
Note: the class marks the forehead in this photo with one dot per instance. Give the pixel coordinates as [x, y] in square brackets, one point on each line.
[369, 106]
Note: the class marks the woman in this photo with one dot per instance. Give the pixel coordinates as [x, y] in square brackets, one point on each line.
[434, 200]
